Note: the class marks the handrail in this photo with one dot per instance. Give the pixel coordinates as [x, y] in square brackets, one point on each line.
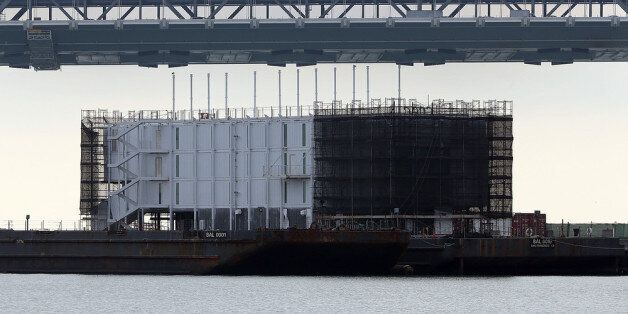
[473, 108]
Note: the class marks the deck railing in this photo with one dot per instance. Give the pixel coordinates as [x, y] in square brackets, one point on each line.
[45, 225]
[474, 108]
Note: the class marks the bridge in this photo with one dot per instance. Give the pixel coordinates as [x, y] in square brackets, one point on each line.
[47, 34]
[233, 9]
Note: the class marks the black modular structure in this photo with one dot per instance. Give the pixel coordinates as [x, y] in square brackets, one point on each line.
[412, 159]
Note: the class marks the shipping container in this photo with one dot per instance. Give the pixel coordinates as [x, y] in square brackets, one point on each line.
[528, 224]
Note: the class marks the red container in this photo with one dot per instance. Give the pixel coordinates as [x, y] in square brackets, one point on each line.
[528, 224]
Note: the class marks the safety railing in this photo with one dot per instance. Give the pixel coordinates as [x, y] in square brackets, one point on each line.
[194, 115]
[401, 106]
[46, 225]
[473, 108]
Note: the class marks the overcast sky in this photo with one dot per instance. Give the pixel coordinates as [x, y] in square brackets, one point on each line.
[570, 123]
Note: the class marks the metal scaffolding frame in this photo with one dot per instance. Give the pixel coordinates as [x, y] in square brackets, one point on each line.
[94, 185]
[404, 158]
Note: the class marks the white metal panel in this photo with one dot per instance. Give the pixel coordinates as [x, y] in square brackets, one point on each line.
[242, 165]
[186, 166]
[133, 165]
[165, 192]
[258, 139]
[241, 194]
[275, 193]
[222, 193]
[203, 140]
[133, 137]
[150, 193]
[295, 194]
[294, 134]
[258, 193]
[221, 137]
[151, 167]
[241, 137]
[275, 135]
[163, 137]
[204, 165]
[258, 163]
[274, 168]
[222, 165]
[204, 195]
[186, 190]
[149, 136]
[186, 138]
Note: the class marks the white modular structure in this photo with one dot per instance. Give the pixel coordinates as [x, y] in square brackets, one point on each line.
[219, 174]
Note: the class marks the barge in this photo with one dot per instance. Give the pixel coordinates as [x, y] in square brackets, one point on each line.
[516, 256]
[261, 252]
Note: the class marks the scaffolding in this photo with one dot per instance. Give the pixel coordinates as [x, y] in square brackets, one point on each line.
[94, 185]
[404, 158]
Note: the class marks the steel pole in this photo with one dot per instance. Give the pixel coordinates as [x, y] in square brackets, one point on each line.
[368, 83]
[173, 102]
[398, 84]
[353, 86]
[191, 96]
[334, 86]
[315, 85]
[298, 95]
[226, 95]
[279, 75]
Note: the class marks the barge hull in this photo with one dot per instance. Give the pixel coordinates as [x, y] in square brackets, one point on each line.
[276, 252]
[517, 256]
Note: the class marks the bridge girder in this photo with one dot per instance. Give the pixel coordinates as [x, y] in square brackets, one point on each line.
[310, 41]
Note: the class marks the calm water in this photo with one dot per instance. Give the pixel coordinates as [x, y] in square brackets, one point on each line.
[78, 293]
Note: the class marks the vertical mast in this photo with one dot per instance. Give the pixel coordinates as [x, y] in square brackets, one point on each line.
[368, 83]
[255, 94]
[315, 85]
[353, 86]
[279, 75]
[226, 95]
[173, 103]
[298, 95]
[191, 96]
[334, 86]
[399, 84]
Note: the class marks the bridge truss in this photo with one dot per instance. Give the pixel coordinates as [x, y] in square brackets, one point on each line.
[260, 9]
[46, 34]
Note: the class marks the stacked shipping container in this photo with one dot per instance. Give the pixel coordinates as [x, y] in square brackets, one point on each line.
[528, 224]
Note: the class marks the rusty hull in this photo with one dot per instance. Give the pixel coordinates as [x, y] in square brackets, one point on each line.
[276, 252]
[304, 252]
[517, 256]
